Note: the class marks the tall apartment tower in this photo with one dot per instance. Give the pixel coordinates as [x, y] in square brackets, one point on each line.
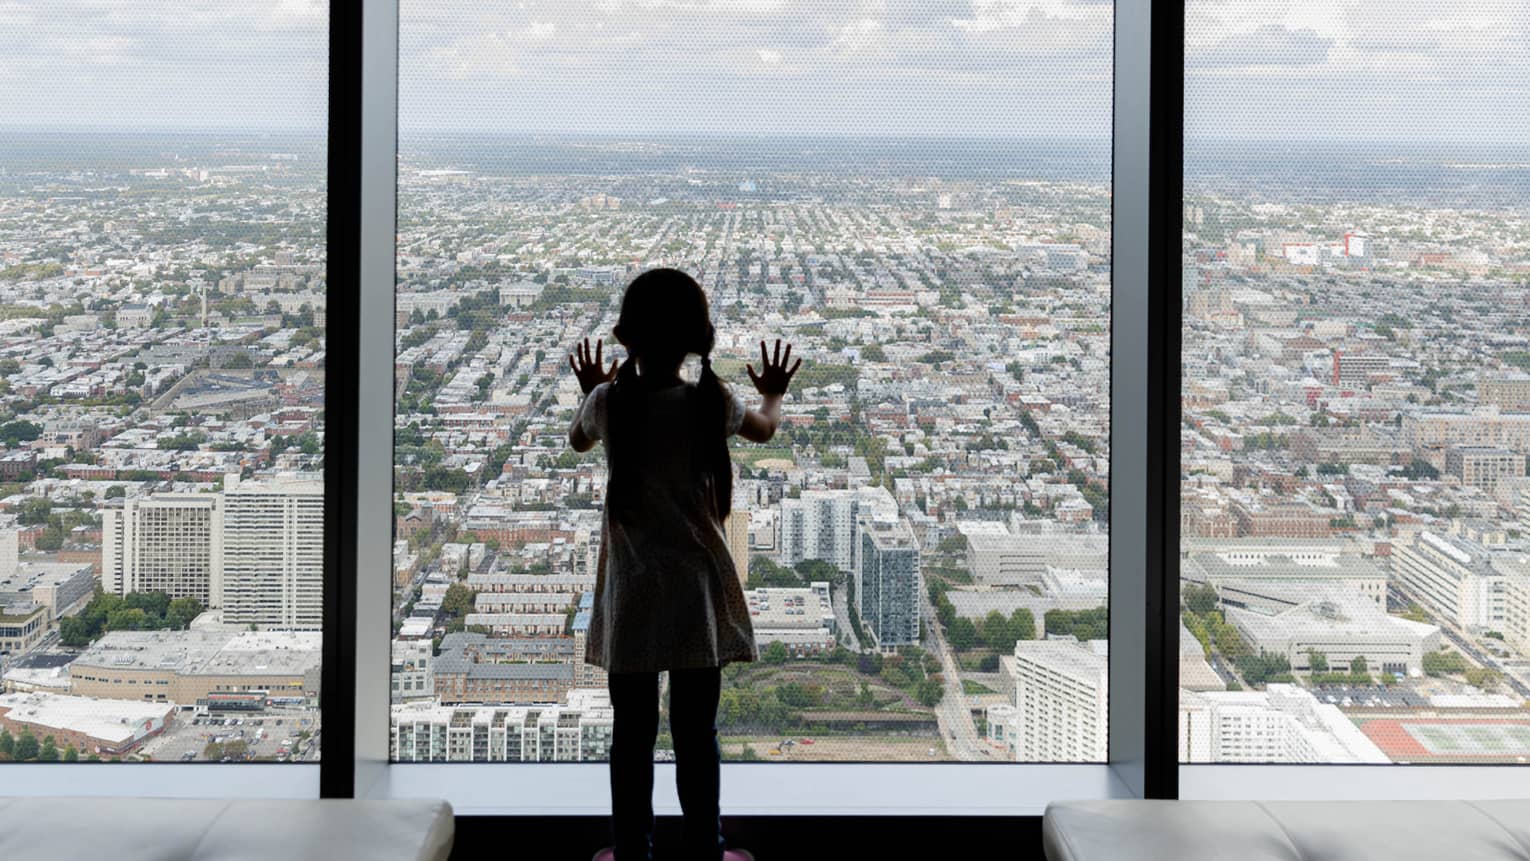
[273, 545]
[171, 543]
[887, 583]
[821, 524]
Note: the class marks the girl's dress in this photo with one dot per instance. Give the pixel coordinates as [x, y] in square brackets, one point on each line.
[667, 595]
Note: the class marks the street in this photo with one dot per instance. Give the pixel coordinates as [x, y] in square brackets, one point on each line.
[952, 713]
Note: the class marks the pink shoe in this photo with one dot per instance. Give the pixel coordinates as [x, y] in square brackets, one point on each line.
[738, 855]
[606, 854]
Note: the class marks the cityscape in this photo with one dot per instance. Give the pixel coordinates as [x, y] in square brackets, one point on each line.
[921, 204]
[1355, 570]
[161, 550]
[923, 545]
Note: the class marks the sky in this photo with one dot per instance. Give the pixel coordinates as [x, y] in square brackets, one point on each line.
[1395, 70]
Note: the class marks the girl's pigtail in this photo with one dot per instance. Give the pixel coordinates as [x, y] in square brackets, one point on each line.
[625, 405]
[713, 451]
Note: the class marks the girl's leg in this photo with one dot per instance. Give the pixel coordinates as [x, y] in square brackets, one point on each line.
[693, 698]
[634, 725]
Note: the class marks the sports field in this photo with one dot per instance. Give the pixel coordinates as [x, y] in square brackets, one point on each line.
[1460, 740]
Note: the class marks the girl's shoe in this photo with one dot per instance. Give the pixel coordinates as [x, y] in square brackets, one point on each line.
[738, 855]
[606, 854]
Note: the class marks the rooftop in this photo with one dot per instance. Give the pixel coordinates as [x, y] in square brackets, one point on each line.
[207, 652]
[113, 721]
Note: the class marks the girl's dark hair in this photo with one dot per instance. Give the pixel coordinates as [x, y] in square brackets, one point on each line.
[664, 318]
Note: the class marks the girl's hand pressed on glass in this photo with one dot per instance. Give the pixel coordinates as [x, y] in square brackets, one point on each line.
[774, 378]
[590, 369]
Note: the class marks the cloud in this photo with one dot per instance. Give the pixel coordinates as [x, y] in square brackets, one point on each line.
[857, 36]
[769, 57]
[490, 53]
[990, 15]
[1266, 45]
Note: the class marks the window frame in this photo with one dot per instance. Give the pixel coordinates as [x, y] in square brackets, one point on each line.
[768, 788]
[1147, 193]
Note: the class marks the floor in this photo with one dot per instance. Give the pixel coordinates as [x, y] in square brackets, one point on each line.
[798, 838]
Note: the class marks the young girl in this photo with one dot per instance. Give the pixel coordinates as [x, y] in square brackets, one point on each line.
[667, 596]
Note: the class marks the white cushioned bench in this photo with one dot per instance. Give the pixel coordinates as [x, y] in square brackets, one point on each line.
[1287, 830]
[168, 829]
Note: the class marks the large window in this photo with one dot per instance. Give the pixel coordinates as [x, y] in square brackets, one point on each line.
[919, 197]
[162, 353]
[1356, 412]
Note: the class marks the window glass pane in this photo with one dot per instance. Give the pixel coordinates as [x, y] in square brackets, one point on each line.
[1356, 412]
[917, 197]
[162, 263]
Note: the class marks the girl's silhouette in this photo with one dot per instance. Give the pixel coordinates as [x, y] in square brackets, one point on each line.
[667, 596]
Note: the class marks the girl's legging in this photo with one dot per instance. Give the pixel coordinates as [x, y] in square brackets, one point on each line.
[693, 697]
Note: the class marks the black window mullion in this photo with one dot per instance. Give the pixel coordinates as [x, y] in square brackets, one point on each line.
[343, 225]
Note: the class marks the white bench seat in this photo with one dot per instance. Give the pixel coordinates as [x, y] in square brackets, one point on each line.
[167, 829]
[1287, 830]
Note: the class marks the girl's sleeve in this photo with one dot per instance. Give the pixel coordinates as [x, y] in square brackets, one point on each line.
[592, 413]
[736, 410]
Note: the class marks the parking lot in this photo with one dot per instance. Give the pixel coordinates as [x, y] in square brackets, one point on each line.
[280, 735]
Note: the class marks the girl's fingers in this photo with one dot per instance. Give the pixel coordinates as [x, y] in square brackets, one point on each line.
[599, 343]
[778, 352]
[788, 357]
[794, 368]
[614, 364]
[752, 375]
[572, 366]
[764, 356]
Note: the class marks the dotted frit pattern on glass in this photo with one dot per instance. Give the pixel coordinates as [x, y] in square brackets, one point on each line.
[1355, 572]
[162, 343]
[916, 195]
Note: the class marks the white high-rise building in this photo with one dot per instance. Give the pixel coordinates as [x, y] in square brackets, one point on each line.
[1453, 578]
[821, 524]
[171, 543]
[1061, 692]
[273, 544]
[1282, 723]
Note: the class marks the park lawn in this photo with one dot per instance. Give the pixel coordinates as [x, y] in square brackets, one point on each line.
[971, 687]
[841, 748]
[753, 454]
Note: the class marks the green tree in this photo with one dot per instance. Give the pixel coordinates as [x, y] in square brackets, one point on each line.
[995, 632]
[27, 747]
[71, 754]
[459, 600]
[1022, 624]
[800, 696]
[1317, 661]
[962, 634]
[775, 653]
[928, 692]
[49, 750]
[1481, 677]
[7, 745]
[1443, 662]
[1199, 598]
